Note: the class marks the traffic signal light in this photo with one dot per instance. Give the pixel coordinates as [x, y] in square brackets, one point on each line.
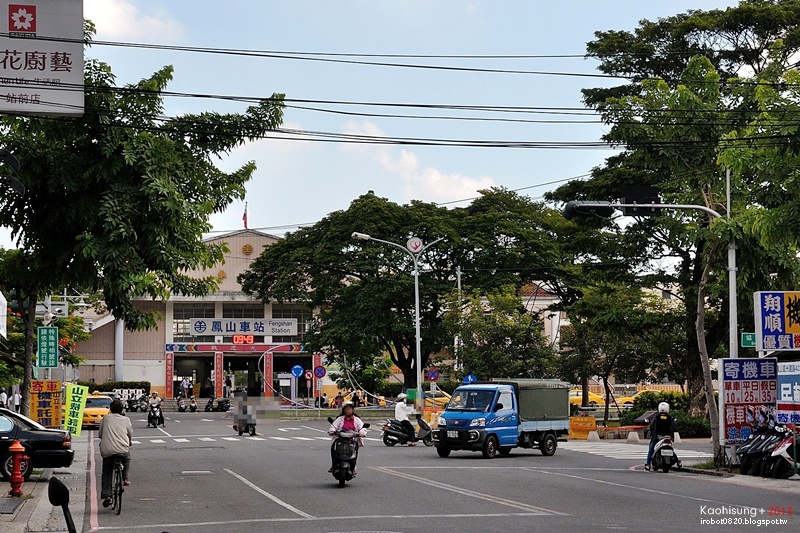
[583, 209]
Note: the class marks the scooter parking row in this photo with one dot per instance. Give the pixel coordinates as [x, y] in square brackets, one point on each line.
[769, 452]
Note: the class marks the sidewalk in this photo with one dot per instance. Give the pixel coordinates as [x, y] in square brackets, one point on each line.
[33, 511]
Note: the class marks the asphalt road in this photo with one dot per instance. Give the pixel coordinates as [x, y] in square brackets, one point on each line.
[198, 475]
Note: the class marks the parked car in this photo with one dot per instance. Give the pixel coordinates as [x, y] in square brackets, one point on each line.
[576, 397]
[628, 400]
[45, 448]
[98, 405]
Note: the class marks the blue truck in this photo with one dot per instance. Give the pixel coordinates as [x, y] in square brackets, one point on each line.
[496, 416]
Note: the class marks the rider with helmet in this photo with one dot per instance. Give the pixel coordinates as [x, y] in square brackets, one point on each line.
[662, 425]
[401, 412]
[347, 420]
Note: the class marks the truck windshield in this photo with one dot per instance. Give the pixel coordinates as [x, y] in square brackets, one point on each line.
[470, 400]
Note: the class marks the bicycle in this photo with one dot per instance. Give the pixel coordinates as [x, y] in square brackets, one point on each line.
[722, 459]
[117, 486]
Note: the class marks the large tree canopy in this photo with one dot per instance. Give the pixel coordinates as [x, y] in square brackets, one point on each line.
[365, 290]
[118, 199]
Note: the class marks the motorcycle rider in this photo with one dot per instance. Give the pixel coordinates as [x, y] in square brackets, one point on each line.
[662, 425]
[116, 435]
[155, 401]
[401, 412]
[347, 420]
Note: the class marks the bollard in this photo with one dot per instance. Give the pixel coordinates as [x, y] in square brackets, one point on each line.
[16, 480]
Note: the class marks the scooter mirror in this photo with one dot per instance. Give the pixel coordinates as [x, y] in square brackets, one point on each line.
[57, 492]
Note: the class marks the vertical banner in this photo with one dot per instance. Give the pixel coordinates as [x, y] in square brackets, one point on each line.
[219, 374]
[169, 367]
[74, 403]
[316, 360]
[268, 381]
[46, 403]
[789, 393]
[750, 386]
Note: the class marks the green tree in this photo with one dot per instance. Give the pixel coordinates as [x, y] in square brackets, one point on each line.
[498, 336]
[365, 290]
[118, 199]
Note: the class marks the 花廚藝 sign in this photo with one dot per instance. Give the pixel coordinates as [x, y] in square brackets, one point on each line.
[41, 66]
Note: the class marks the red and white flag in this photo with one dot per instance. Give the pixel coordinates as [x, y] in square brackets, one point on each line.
[244, 217]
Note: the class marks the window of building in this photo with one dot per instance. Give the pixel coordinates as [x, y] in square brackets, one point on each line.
[243, 310]
[300, 312]
[182, 313]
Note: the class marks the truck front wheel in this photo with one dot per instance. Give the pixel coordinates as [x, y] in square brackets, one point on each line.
[548, 444]
[443, 452]
[490, 447]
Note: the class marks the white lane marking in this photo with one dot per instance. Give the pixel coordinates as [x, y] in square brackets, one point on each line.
[207, 439]
[339, 518]
[471, 493]
[324, 438]
[230, 438]
[270, 496]
[280, 438]
[255, 438]
[181, 440]
[302, 438]
[622, 485]
[164, 432]
[135, 442]
[158, 441]
[314, 429]
[289, 429]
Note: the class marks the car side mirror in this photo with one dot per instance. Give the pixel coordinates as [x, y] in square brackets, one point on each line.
[57, 492]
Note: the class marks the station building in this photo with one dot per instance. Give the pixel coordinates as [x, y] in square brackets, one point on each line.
[218, 335]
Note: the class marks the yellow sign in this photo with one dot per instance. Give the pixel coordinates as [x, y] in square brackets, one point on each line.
[74, 403]
[46, 403]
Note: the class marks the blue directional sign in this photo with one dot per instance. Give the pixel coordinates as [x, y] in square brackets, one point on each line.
[298, 371]
[470, 378]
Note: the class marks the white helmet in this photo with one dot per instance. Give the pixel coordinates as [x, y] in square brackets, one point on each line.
[663, 407]
[401, 396]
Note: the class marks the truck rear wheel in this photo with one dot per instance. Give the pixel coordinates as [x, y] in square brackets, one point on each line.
[548, 445]
[443, 452]
[490, 447]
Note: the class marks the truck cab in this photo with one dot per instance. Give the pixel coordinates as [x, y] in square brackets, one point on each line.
[487, 417]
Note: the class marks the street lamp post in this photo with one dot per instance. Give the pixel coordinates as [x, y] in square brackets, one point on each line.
[413, 248]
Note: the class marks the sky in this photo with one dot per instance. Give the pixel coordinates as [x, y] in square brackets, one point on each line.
[300, 181]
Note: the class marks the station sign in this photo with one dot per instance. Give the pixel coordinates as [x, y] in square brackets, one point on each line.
[243, 326]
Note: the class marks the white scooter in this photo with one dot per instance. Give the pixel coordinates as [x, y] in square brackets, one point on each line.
[663, 454]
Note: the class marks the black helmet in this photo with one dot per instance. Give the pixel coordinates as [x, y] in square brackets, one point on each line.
[345, 405]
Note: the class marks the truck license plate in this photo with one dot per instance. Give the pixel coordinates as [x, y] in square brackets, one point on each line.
[666, 453]
[452, 434]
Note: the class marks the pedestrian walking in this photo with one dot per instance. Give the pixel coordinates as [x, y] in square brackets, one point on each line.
[185, 385]
[17, 400]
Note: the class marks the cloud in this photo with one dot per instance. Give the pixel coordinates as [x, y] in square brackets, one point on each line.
[121, 19]
[419, 182]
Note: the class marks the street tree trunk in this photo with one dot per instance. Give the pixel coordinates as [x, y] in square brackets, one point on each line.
[713, 412]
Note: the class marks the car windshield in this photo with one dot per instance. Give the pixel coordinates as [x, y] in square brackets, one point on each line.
[471, 400]
[98, 402]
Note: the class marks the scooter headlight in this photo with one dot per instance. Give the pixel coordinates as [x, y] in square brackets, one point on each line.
[478, 422]
[441, 421]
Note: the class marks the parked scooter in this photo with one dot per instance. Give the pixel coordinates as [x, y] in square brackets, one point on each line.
[344, 454]
[663, 454]
[155, 417]
[222, 405]
[192, 404]
[752, 458]
[395, 433]
[137, 404]
[765, 464]
[786, 458]
[181, 404]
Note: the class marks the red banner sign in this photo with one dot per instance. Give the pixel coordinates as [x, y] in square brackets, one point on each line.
[170, 373]
[219, 378]
[268, 375]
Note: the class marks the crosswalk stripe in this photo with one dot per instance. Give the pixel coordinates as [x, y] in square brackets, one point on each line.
[624, 450]
[207, 439]
[135, 442]
[181, 440]
[157, 441]
[280, 438]
[303, 438]
[230, 438]
[254, 438]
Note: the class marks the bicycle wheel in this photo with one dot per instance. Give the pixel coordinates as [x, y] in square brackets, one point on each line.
[118, 488]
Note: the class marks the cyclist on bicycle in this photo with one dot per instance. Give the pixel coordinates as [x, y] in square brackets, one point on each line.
[116, 434]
